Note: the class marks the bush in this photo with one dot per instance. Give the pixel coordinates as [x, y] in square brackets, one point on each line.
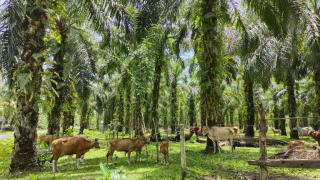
[44, 155]
[69, 131]
[5, 155]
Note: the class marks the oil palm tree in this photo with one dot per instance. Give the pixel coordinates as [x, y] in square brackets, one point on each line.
[285, 19]
[23, 28]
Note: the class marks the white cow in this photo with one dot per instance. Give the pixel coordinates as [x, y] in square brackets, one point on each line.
[220, 133]
[304, 131]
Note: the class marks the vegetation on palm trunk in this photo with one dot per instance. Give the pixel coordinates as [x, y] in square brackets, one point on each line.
[28, 75]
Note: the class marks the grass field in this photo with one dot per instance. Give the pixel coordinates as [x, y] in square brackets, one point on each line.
[226, 165]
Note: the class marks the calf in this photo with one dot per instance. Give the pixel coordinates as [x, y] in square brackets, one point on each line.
[276, 131]
[164, 150]
[219, 133]
[126, 145]
[296, 143]
[69, 146]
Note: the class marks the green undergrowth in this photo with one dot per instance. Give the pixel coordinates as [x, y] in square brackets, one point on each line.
[226, 165]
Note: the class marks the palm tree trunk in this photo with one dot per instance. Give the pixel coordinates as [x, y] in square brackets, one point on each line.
[68, 120]
[128, 108]
[240, 119]
[231, 116]
[209, 48]
[83, 118]
[146, 115]
[305, 113]
[276, 113]
[155, 98]
[248, 83]
[316, 121]
[98, 121]
[165, 114]
[181, 115]
[174, 104]
[121, 111]
[292, 106]
[54, 118]
[203, 113]
[24, 154]
[138, 117]
[192, 110]
[282, 115]
[70, 107]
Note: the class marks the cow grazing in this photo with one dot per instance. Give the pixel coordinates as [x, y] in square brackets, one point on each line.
[296, 143]
[304, 131]
[69, 146]
[164, 150]
[126, 145]
[276, 131]
[219, 133]
[315, 135]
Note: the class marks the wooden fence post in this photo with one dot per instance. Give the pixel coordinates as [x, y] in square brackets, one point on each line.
[183, 152]
[263, 142]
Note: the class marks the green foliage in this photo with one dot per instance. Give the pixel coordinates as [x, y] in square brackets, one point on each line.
[5, 155]
[106, 172]
[32, 177]
[69, 131]
[225, 165]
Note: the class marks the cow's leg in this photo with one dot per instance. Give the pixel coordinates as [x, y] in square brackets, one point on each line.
[82, 158]
[78, 156]
[54, 163]
[110, 154]
[219, 148]
[162, 159]
[129, 153]
[231, 144]
[139, 156]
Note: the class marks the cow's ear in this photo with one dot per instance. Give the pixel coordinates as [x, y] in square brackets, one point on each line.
[96, 139]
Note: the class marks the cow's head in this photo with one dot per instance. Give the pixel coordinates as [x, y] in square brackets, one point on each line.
[310, 132]
[96, 143]
[235, 130]
[205, 130]
[144, 140]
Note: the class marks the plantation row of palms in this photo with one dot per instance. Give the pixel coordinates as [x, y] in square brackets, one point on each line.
[134, 65]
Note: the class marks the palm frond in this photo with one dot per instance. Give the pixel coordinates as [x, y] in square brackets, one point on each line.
[11, 19]
[106, 14]
[83, 61]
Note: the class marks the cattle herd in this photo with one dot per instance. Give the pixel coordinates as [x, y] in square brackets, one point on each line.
[77, 145]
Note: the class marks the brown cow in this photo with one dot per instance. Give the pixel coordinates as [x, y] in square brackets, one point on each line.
[164, 149]
[126, 145]
[315, 135]
[296, 143]
[69, 146]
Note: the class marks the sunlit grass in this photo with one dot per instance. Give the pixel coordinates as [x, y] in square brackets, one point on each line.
[226, 164]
